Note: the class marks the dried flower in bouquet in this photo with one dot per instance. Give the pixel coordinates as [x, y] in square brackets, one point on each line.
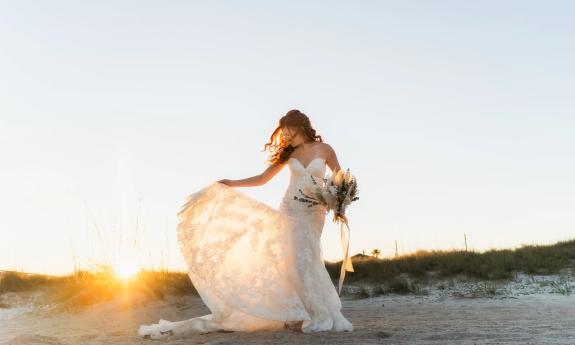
[337, 192]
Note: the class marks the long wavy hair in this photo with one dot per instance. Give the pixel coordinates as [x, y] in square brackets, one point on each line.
[279, 149]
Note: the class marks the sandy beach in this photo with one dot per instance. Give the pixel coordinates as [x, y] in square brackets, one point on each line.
[512, 313]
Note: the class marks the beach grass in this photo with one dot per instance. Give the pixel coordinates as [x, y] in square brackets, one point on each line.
[99, 284]
[400, 275]
[489, 265]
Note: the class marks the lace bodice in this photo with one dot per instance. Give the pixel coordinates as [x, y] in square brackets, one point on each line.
[300, 176]
[297, 168]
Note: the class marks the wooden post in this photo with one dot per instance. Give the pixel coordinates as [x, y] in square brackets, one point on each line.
[395, 248]
[465, 238]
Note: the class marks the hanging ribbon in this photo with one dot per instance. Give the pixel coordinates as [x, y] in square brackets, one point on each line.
[346, 263]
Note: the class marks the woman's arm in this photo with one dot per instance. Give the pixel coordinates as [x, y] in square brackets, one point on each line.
[256, 180]
[331, 159]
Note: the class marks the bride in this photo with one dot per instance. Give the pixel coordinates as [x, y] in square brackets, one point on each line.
[254, 266]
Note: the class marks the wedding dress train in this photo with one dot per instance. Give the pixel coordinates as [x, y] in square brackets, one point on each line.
[256, 267]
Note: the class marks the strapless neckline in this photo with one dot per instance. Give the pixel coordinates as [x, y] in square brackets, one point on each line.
[310, 163]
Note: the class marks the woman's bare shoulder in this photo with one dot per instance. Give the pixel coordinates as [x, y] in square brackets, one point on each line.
[326, 149]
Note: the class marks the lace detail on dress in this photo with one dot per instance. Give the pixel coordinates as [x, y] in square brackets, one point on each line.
[256, 267]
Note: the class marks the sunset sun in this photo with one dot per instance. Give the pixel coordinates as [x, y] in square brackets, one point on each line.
[126, 268]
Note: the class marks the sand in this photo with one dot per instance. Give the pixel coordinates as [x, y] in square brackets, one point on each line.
[505, 315]
[531, 319]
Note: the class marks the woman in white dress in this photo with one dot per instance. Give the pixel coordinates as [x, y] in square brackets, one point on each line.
[254, 266]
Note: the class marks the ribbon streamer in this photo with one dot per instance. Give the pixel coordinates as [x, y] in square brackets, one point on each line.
[346, 263]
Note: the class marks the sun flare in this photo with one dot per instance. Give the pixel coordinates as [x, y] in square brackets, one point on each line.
[126, 268]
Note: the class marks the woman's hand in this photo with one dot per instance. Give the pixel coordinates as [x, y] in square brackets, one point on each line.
[226, 182]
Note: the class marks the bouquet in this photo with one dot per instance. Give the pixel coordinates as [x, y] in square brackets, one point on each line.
[337, 192]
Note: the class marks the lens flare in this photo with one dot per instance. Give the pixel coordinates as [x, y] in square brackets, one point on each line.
[126, 268]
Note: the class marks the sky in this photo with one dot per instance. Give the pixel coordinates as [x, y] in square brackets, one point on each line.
[457, 118]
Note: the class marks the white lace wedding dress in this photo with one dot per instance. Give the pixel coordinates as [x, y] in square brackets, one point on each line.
[256, 267]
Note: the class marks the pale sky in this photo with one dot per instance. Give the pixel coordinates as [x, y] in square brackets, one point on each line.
[456, 117]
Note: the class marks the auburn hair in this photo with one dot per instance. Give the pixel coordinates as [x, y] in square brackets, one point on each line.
[279, 150]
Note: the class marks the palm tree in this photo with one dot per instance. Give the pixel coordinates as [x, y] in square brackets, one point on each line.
[375, 253]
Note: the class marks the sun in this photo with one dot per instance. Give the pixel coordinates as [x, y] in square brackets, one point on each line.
[126, 268]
